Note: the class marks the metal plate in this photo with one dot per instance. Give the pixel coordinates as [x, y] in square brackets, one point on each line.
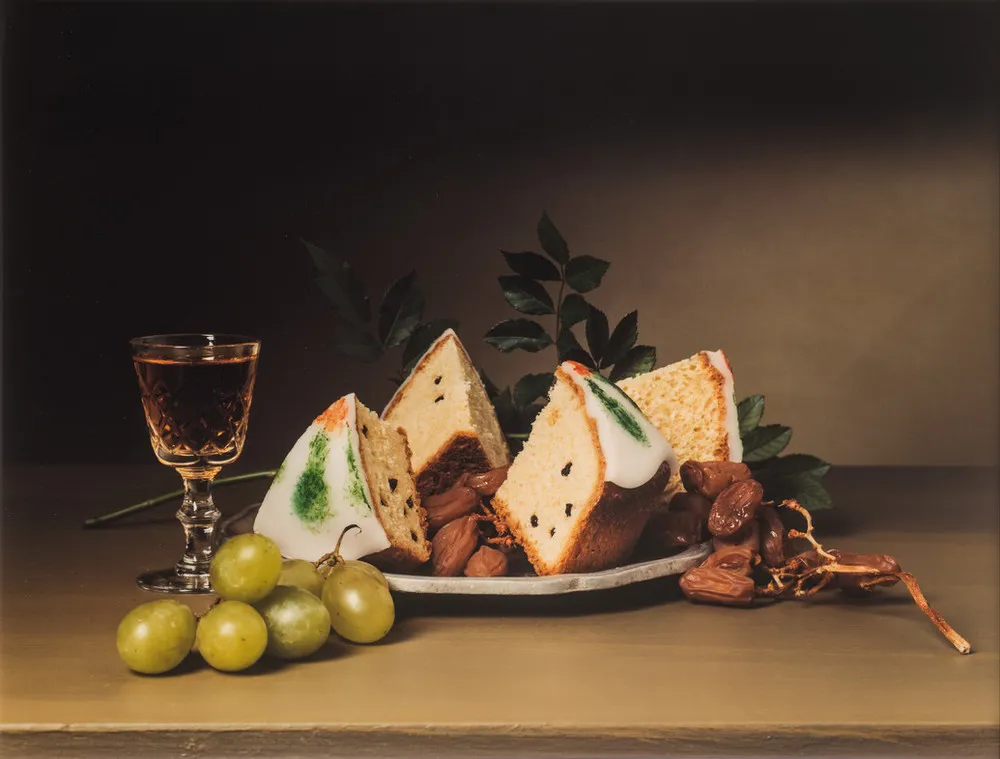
[531, 585]
[523, 585]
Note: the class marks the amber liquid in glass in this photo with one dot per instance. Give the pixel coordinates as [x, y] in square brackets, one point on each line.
[197, 411]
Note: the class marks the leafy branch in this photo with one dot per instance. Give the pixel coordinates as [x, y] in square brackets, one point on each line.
[399, 322]
[526, 291]
[795, 475]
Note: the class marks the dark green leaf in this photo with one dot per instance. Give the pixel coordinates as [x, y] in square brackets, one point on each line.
[526, 295]
[503, 404]
[340, 285]
[552, 242]
[622, 339]
[639, 360]
[531, 387]
[811, 494]
[807, 490]
[421, 340]
[526, 416]
[513, 334]
[324, 262]
[515, 422]
[597, 334]
[794, 464]
[355, 342]
[402, 309]
[532, 265]
[574, 310]
[343, 305]
[492, 391]
[749, 411]
[584, 273]
[765, 442]
[569, 349]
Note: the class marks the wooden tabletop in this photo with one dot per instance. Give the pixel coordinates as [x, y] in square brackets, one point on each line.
[639, 671]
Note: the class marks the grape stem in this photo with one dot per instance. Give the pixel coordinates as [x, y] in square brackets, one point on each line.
[216, 602]
[333, 558]
[172, 495]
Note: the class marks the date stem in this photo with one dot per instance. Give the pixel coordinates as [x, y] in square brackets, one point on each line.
[961, 644]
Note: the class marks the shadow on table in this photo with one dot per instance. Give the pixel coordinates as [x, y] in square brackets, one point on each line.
[641, 595]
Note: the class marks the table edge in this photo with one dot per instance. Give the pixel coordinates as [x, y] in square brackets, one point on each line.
[305, 740]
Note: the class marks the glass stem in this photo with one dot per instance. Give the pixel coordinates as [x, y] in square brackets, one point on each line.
[198, 517]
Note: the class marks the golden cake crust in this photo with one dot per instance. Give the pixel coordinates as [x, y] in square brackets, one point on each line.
[615, 518]
[646, 390]
[401, 557]
[718, 380]
[463, 451]
[417, 368]
[609, 534]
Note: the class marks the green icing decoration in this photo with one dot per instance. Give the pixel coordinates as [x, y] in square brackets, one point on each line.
[281, 471]
[311, 497]
[618, 412]
[355, 487]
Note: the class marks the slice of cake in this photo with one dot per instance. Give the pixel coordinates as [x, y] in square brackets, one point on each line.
[580, 492]
[448, 418]
[693, 404]
[347, 468]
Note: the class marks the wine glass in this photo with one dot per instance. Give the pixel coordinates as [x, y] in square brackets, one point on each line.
[196, 392]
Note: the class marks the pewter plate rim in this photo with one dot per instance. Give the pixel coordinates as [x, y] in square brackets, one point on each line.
[550, 585]
[531, 585]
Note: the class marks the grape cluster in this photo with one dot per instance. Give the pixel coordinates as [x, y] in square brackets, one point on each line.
[267, 605]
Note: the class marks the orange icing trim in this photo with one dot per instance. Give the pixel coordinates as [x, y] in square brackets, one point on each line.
[334, 416]
[578, 368]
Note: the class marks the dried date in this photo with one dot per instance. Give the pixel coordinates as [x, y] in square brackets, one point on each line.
[487, 562]
[676, 528]
[710, 478]
[738, 559]
[450, 505]
[453, 546]
[715, 585]
[735, 508]
[884, 571]
[485, 483]
[694, 503]
[772, 538]
[749, 537]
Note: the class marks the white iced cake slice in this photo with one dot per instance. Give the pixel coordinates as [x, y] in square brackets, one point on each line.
[449, 421]
[693, 404]
[580, 492]
[347, 468]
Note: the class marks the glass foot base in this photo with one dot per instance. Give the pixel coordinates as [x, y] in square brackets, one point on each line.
[169, 581]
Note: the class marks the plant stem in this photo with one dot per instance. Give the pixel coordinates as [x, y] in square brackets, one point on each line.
[562, 286]
[172, 495]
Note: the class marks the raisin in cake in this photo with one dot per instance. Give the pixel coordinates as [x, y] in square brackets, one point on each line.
[693, 405]
[448, 418]
[579, 494]
[347, 468]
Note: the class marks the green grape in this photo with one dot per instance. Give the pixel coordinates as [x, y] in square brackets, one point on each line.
[361, 608]
[299, 573]
[231, 636]
[157, 636]
[298, 623]
[364, 566]
[245, 568]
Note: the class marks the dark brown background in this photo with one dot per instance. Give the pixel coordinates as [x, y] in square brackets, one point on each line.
[813, 188]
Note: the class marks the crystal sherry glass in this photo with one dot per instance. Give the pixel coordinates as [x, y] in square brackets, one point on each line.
[196, 392]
